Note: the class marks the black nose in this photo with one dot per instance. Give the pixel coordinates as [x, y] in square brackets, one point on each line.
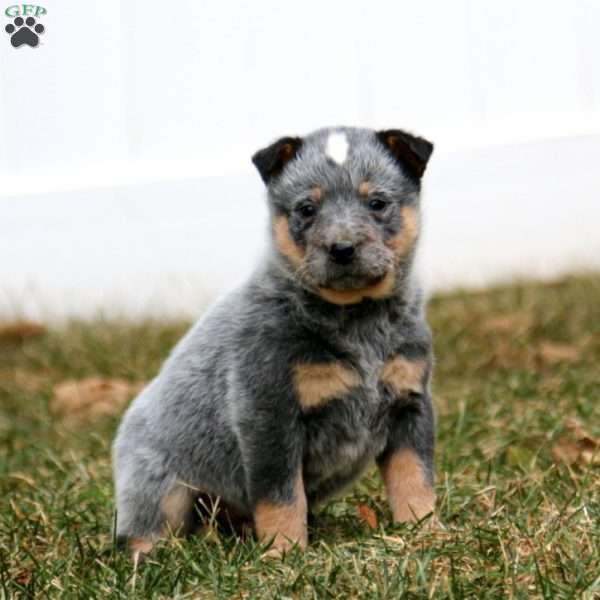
[342, 252]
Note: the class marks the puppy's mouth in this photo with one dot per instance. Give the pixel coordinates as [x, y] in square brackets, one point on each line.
[353, 283]
[374, 288]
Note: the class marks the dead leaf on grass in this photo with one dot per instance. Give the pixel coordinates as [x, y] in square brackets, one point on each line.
[576, 446]
[510, 354]
[92, 397]
[21, 330]
[552, 353]
[367, 515]
[509, 323]
[23, 577]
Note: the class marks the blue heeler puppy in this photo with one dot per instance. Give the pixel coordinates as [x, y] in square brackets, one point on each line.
[286, 390]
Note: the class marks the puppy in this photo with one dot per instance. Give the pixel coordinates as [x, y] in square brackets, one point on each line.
[286, 390]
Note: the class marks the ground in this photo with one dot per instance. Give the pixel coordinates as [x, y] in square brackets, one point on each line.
[517, 391]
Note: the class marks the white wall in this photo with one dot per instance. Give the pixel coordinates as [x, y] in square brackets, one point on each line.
[125, 138]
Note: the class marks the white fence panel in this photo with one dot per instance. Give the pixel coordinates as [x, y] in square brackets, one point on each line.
[125, 138]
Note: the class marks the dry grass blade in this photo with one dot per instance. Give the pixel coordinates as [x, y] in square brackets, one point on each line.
[92, 397]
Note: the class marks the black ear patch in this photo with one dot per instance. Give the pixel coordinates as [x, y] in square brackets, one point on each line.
[271, 160]
[410, 151]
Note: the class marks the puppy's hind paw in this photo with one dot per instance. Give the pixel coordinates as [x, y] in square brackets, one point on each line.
[273, 553]
[139, 548]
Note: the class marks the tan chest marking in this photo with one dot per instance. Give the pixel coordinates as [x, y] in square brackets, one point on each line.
[285, 243]
[284, 523]
[403, 375]
[402, 243]
[409, 494]
[316, 384]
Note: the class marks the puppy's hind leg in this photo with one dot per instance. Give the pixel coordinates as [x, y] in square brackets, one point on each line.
[177, 507]
[141, 521]
[151, 503]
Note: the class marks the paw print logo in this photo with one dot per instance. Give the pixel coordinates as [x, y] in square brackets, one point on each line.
[24, 32]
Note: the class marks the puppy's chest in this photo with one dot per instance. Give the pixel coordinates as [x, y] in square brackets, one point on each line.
[345, 406]
[345, 425]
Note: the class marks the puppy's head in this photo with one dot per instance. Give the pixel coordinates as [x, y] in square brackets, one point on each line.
[345, 208]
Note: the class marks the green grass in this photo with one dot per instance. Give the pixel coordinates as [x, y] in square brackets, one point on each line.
[514, 364]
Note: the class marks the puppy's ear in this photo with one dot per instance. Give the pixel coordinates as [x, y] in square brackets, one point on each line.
[271, 160]
[410, 151]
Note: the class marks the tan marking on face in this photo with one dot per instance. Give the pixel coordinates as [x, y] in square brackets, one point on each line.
[406, 238]
[284, 523]
[285, 243]
[404, 375]
[316, 384]
[176, 507]
[364, 189]
[377, 291]
[409, 494]
[316, 193]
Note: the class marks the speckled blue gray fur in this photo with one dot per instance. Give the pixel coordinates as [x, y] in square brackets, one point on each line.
[223, 416]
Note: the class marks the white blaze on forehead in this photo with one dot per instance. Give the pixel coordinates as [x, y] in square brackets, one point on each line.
[337, 147]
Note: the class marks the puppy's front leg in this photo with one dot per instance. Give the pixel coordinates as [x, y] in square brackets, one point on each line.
[408, 485]
[283, 521]
[271, 439]
[406, 465]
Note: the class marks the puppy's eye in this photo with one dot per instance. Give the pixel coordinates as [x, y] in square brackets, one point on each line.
[306, 210]
[377, 204]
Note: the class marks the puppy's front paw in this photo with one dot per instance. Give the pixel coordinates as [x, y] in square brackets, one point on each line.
[414, 508]
[410, 494]
[282, 545]
[277, 550]
[273, 553]
[284, 524]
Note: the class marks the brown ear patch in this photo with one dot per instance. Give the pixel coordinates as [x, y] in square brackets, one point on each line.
[409, 493]
[316, 384]
[409, 150]
[284, 242]
[403, 242]
[284, 523]
[270, 161]
[403, 375]
[287, 152]
[377, 291]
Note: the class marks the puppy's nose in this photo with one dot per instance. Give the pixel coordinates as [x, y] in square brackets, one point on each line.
[342, 252]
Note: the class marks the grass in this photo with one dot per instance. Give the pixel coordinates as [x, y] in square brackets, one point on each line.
[516, 366]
